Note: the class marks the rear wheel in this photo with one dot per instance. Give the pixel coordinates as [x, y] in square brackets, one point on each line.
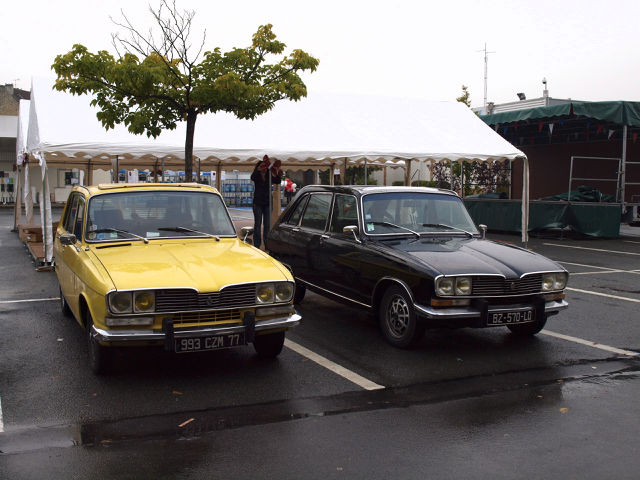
[100, 357]
[398, 320]
[269, 345]
[528, 329]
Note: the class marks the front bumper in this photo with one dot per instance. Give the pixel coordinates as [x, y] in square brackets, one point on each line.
[139, 335]
[471, 312]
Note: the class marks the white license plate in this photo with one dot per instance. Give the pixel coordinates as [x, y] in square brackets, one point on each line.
[211, 342]
[510, 318]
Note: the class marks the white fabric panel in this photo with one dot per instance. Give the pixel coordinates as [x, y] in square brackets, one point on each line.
[319, 127]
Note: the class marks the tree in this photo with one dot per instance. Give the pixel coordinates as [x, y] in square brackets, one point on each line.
[159, 80]
[465, 97]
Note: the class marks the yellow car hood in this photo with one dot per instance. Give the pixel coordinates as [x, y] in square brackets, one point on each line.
[206, 265]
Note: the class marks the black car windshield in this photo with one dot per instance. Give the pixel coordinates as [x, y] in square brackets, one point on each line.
[410, 212]
[148, 214]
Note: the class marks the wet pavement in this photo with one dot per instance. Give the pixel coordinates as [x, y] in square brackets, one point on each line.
[462, 404]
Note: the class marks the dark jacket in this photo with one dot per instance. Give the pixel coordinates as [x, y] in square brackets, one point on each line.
[262, 191]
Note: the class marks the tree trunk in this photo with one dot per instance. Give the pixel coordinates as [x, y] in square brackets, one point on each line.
[188, 146]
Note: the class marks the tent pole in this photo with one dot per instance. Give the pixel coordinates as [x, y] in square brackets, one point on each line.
[624, 166]
[366, 180]
[525, 201]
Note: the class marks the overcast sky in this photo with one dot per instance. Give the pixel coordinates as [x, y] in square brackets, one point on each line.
[586, 49]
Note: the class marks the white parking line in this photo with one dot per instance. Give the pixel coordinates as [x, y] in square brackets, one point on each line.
[53, 299]
[600, 346]
[1, 424]
[601, 272]
[583, 265]
[592, 249]
[617, 297]
[334, 367]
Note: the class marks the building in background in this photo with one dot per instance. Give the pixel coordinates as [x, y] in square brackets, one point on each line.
[9, 105]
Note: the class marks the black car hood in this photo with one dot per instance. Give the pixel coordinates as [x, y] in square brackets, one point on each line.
[465, 256]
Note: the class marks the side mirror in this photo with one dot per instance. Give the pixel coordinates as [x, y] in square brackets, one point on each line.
[246, 232]
[353, 229]
[68, 239]
[483, 229]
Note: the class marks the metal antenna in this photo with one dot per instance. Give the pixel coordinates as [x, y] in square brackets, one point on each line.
[486, 61]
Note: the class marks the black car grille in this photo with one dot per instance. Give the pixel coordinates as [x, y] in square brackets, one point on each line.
[180, 300]
[492, 286]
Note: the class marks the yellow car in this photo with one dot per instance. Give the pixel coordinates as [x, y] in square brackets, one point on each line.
[161, 264]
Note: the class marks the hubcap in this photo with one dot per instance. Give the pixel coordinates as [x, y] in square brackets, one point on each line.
[398, 317]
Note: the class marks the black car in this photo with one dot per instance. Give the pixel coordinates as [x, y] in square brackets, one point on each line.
[414, 257]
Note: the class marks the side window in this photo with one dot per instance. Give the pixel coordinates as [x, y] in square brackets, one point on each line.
[77, 229]
[317, 212]
[294, 218]
[345, 212]
[70, 213]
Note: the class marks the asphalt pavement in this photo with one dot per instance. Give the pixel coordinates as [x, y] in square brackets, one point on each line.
[462, 404]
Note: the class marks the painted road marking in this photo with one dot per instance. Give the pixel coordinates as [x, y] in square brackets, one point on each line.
[1, 424]
[53, 299]
[635, 300]
[592, 249]
[606, 269]
[600, 346]
[334, 367]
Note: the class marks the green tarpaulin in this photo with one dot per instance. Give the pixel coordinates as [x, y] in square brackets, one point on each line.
[621, 113]
[592, 219]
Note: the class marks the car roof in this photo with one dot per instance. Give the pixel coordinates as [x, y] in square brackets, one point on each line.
[368, 189]
[128, 187]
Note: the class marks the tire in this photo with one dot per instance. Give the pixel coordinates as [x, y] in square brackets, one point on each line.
[398, 319]
[269, 345]
[298, 295]
[528, 329]
[64, 306]
[100, 357]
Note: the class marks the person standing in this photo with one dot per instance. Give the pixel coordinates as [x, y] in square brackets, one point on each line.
[261, 197]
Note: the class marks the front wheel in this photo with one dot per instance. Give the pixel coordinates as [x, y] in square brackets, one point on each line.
[269, 345]
[528, 329]
[298, 295]
[99, 356]
[398, 320]
[64, 306]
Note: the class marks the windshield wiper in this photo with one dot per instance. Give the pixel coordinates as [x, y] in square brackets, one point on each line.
[389, 224]
[189, 230]
[116, 230]
[448, 227]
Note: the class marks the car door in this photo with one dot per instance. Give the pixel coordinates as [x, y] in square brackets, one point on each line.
[284, 242]
[339, 253]
[69, 257]
[308, 265]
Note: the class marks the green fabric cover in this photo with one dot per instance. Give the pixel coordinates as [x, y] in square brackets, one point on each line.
[594, 219]
[622, 113]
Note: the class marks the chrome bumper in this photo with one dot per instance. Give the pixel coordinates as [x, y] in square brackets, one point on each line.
[550, 308]
[152, 335]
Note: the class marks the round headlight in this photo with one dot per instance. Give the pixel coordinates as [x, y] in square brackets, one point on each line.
[463, 286]
[120, 302]
[144, 301]
[265, 293]
[284, 291]
[445, 286]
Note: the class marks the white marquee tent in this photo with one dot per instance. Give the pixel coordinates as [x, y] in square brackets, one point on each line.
[322, 129]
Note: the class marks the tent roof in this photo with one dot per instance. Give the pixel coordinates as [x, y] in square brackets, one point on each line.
[620, 113]
[321, 128]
